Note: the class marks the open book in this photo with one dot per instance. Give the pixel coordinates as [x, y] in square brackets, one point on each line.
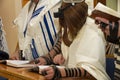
[18, 63]
[105, 12]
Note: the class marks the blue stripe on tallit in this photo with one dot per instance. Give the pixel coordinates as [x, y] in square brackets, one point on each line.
[44, 36]
[35, 13]
[48, 30]
[33, 49]
[52, 23]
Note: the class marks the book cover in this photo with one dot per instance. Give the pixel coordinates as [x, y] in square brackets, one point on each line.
[105, 12]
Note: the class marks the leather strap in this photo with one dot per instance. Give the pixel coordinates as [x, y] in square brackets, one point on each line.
[113, 37]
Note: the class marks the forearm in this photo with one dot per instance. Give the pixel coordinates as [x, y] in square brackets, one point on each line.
[53, 52]
[74, 72]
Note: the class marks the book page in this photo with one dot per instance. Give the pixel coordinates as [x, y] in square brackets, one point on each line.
[19, 63]
[44, 66]
[39, 68]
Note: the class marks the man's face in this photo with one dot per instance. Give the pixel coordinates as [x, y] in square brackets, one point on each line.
[105, 29]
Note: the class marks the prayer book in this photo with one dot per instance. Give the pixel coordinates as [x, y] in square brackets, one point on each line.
[38, 69]
[103, 11]
[18, 63]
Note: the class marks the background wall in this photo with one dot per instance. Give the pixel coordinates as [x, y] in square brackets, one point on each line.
[112, 4]
[9, 9]
[118, 5]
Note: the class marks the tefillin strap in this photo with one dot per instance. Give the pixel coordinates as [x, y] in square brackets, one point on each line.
[103, 25]
[60, 14]
[113, 33]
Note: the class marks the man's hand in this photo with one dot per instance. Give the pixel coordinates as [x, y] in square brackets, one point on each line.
[15, 56]
[48, 73]
[39, 61]
[59, 59]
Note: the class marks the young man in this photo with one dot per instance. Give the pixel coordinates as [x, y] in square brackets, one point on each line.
[37, 29]
[112, 33]
[82, 45]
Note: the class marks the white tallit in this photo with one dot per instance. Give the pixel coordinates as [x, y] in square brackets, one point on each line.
[87, 51]
[43, 37]
[3, 42]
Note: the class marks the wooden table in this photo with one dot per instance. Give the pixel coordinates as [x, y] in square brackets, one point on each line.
[23, 74]
[18, 73]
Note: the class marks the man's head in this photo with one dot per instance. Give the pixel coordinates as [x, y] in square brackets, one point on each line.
[111, 29]
[72, 17]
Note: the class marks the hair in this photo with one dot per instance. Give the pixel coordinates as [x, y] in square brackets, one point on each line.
[72, 20]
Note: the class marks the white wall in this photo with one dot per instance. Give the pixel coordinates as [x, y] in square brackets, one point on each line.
[18, 4]
[9, 9]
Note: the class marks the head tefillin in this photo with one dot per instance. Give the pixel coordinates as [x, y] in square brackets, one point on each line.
[60, 14]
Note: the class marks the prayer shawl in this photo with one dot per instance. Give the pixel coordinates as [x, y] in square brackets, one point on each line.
[87, 51]
[38, 34]
[3, 42]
